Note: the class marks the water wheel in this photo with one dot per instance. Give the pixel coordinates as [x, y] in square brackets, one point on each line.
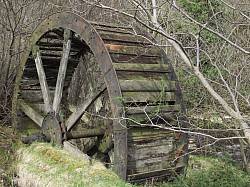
[109, 88]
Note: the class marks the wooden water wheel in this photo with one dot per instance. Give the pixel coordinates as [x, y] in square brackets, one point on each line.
[106, 85]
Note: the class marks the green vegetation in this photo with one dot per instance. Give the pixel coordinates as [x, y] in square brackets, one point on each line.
[41, 164]
[9, 143]
[207, 171]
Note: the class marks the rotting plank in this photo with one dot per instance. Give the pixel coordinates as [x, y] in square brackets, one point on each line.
[148, 96]
[30, 112]
[124, 38]
[133, 50]
[148, 118]
[142, 75]
[33, 96]
[161, 68]
[113, 29]
[109, 25]
[150, 109]
[127, 58]
[146, 85]
[152, 151]
[151, 164]
[143, 132]
[151, 174]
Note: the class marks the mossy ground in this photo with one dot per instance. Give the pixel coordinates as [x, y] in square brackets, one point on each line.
[40, 164]
[214, 172]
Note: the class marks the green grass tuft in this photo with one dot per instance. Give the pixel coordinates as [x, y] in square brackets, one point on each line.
[207, 171]
[43, 165]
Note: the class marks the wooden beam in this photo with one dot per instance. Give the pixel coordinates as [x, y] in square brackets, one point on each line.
[62, 71]
[74, 151]
[30, 112]
[42, 78]
[70, 122]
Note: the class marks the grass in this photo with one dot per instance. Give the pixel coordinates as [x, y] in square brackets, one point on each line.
[43, 165]
[207, 171]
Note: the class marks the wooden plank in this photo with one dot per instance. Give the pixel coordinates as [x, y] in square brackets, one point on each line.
[133, 50]
[150, 109]
[33, 96]
[155, 149]
[113, 29]
[151, 164]
[62, 71]
[147, 85]
[161, 68]
[151, 174]
[149, 118]
[110, 25]
[74, 151]
[144, 132]
[70, 122]
[126, 58]
[148, 96]
[30, 112]
[42, 79]
[124, 38]
[142, 75]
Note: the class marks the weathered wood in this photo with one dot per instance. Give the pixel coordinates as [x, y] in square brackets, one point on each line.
[30, 112]
[70, 122]
[110, 25]
[126, 58]
[149, 118]
[151, 109]
[151, 164]
[135, 97]
[62, 71]
[49, 60]
[139, 177]
[42, 79]
[99, 28]
[74, 151]
[161, 68]
[33, 96]
[133, 50]
[147, 85]
[140, 134]
[141, 75]
[124, 38]
[150, 150]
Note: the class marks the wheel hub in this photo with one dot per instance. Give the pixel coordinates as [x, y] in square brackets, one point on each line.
[52, 128]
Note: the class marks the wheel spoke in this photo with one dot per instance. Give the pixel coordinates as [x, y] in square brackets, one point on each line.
[42, 79]
[30, 112]
[83, 107]
[62, 71]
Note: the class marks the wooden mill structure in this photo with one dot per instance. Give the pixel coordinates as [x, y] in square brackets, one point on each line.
[108, 88]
